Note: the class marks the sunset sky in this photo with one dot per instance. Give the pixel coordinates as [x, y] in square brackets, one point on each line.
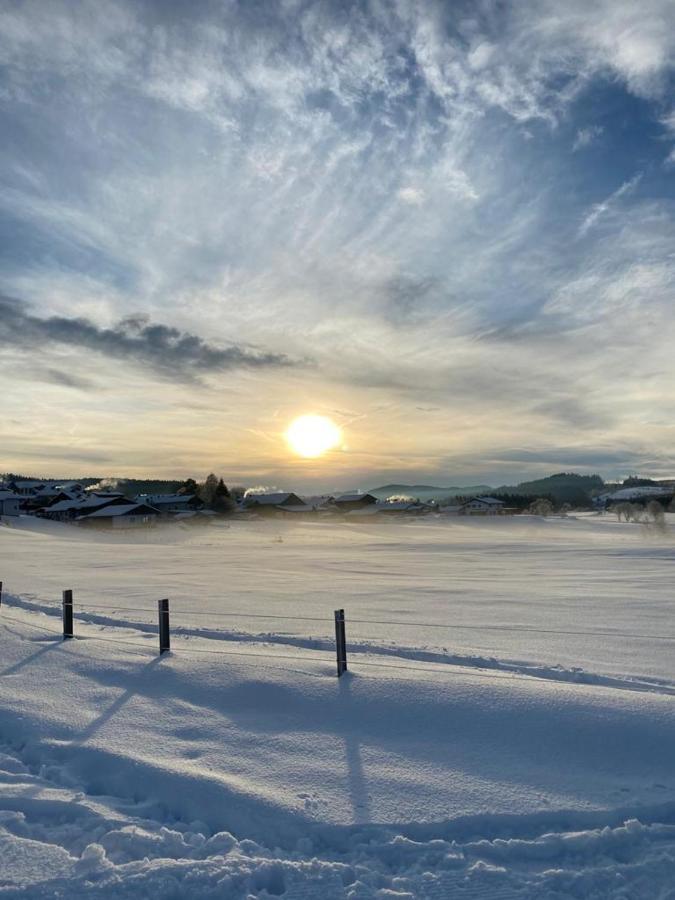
[448, 227]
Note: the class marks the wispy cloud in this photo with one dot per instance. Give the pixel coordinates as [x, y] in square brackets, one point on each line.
[387, 189]
[598, 210]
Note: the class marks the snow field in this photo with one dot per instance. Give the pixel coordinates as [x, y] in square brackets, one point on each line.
[451, 772]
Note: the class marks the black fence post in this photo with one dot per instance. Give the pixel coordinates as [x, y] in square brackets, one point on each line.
[164, 637]
[67, 615]
[0, 593]
[340, 641]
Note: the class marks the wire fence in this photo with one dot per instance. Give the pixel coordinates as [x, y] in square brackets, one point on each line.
[82, 614]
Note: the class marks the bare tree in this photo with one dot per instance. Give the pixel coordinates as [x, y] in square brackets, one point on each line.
[656, 515]
[629, 511]
[541, 507]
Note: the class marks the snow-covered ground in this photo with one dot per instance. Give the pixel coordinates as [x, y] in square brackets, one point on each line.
[514, 736]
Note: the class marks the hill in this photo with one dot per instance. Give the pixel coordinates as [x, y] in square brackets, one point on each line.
[428, 491]
[565, 487]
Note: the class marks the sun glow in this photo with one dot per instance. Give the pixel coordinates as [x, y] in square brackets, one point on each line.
[310, 436]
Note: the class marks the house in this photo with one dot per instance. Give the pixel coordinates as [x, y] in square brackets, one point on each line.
[404, 508]
[482, 506]
[274, 504]
[36, 494]
[67, 510]
[171, 504]
[347, 502]
[319, 501]
[120, 515]
[9, 503]
[52, 491]
[26, 488]
[390, 509]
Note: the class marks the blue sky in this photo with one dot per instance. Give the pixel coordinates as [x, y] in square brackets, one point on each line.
[450, 227]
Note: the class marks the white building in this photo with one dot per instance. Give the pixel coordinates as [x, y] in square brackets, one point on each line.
[482, 506]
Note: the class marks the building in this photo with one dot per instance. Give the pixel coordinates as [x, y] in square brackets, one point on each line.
[171, 504]
[347, 502]
[67, 510]
[275, 504]
[9, 503]
[390, 509]
[482, 506]
[45, 490]
[404, 508]
[123, 515]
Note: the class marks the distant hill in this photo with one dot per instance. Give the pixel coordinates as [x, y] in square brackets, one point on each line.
[428, 491]
[566, 487]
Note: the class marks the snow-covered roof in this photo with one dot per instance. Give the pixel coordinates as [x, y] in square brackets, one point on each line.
[490, 501]
[55, 487]
[64, 505]
[271, 499]
[121, 510]
[91, 502]
[98, 499]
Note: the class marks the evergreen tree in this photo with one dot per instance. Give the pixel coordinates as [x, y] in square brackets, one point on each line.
[222, 501]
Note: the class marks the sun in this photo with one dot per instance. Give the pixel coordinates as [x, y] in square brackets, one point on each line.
[310, 435]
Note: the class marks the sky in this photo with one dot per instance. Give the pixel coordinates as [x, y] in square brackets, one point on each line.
[448, 226]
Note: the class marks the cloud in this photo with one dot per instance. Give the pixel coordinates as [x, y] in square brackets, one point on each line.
[347, 181]
[168, 351]
[67, 379]
[598, 210]
[411, 195]
[586, 136]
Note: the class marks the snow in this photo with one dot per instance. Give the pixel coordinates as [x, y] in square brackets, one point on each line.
[636, 493]
[461, 763]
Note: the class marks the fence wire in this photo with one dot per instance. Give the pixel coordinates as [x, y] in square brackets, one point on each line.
[186, 614]
[181, 639]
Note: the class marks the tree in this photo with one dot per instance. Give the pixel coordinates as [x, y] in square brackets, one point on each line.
[189, 486]
[541, 507]
[657, 515]
[222, 501]
[208, 489]
[631, 512]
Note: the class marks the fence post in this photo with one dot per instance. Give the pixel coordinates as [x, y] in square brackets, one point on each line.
[340, 641]
[0, 593]
[164, 637]
[67, 615]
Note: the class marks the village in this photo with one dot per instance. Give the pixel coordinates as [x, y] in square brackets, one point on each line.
[74, 503]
